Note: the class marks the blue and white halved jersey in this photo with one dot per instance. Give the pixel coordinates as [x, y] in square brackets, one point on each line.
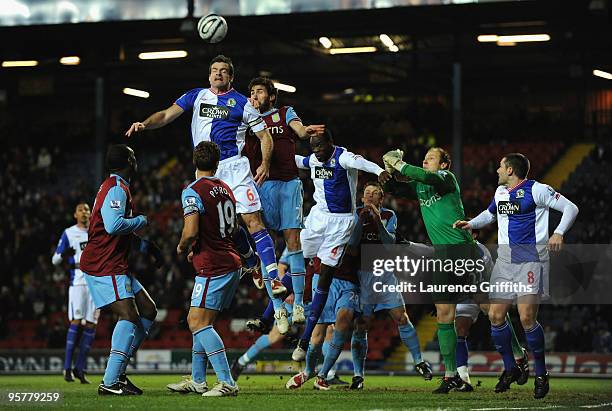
[221, 118]
[335, 180]
[522, 220]
[75, 238]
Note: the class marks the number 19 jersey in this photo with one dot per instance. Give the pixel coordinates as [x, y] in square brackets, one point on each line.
[214, 251]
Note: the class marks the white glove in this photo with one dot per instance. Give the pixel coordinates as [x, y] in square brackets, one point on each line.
[393, 160]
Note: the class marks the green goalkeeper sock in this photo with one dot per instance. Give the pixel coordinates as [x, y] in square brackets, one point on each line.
[447, 338]
[517, 349]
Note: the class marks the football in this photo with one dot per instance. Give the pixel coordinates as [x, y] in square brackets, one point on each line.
[212, 28]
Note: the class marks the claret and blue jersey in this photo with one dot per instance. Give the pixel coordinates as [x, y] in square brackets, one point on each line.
[221, 118]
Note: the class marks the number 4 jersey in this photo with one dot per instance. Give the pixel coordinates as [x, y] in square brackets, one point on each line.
[214, 252]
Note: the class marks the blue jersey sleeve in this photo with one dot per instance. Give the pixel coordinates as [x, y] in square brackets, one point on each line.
[186, 100]
[192, 202]
[291, 115]
[492, 207]
[63, 244]
[113, 211]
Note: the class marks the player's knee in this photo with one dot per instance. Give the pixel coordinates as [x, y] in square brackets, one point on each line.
[528, 320]
[149, 311]
[344, 320]
[497, 317]
[462, 325]
[293, 240]
[254, 223]
[400, 318]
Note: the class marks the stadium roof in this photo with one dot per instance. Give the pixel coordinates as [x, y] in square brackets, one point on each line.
[286, 47]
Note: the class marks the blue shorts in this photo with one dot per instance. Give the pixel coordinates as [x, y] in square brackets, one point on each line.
[342, 295]
[281, 203]
[383, 301]
[215, 293]
[107, 289]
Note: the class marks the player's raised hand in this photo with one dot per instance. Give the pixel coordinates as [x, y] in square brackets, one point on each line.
[462, 224]
[555, 242]
[135, 128]
[315, 129]
[393, 160]
[375, 213]
[384, 177]
[263, 171]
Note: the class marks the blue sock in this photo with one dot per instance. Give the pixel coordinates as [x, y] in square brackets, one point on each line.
[265, 249]
[409, 337]
[462, 352]
[123, 335]
[502, 338]
[262, 343]
[71, 337]
[142, 330]
[333, 352]
[319, 299]
[288, 282]
[276, 301]
[268, 316]
[359, 349]
[298, 275]
[325, 349]
[215, 350]
[243, 245]
[312, 357]
[535, 342]
[199, 362]
[87, 338]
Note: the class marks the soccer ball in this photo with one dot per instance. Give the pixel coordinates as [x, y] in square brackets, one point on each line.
[212, 28]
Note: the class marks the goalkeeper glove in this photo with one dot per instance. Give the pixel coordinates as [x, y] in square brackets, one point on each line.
[393, 160]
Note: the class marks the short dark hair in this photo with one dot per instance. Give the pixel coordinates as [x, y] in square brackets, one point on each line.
[206, 156]
[267, 83]
[444, 156]
[222, 59]
[519, 163]
[117, 157]
[374, 183]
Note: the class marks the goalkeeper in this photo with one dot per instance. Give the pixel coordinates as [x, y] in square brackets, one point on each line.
[439, 197]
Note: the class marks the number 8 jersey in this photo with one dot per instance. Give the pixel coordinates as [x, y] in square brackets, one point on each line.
[214, 252]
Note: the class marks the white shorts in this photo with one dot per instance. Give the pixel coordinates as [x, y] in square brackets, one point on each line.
[81, 305]
[512, 280]
[326, 235]
[469, 310]
[236, 173]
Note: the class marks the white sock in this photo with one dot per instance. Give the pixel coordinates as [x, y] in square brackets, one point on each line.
[464, 374]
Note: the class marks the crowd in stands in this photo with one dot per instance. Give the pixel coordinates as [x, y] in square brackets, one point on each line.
[42, 185]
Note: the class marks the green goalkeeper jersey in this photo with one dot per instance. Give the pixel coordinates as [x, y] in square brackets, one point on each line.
[440, 200]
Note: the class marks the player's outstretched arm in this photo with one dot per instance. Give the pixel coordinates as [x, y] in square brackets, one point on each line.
[442, 180]
[355, 161]
[113, 211]
[156, 120]
[305, 132]
[483, 219]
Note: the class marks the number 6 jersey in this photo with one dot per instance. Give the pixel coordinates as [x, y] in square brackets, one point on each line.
[214, 252]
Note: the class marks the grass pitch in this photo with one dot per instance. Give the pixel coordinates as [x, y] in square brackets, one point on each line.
[268, 393]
